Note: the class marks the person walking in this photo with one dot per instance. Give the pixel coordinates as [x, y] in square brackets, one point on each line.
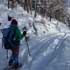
[15, 37]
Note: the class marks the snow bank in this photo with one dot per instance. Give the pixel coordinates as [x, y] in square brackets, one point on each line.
[42, 24]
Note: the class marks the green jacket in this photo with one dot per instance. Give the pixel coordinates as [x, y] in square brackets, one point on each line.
[18, 34]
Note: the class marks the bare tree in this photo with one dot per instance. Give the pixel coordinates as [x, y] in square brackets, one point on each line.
[11, 3]
[28, 5]
[53, 8]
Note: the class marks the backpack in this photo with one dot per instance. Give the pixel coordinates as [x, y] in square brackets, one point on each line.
[8, 38]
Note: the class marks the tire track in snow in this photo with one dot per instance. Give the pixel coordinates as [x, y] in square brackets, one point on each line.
[41, 41]
[41, 46]
[35, 41]
[38, 50]
[45, 61]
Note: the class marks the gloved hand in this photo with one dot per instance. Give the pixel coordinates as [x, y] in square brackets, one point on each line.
[24, 33]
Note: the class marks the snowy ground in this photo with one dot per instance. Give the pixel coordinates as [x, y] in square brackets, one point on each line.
[49, 49]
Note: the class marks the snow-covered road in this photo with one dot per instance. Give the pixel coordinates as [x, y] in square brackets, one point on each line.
[50, 50]
[48, 53]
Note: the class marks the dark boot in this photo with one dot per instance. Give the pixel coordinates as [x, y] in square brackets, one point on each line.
[18, 65]
[10, 62]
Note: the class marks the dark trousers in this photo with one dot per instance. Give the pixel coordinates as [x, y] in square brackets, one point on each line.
[15, 55]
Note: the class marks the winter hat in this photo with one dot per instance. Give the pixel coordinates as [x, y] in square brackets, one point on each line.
[14, 22]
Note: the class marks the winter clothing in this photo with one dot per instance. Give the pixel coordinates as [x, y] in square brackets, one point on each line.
[9, 18]
[14, 22]
[15, 49]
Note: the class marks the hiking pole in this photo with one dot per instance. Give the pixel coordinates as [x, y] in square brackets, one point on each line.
[7, 54]
[2, 47]
[2, 43]
[28, 47]
[6, 50]
[30, 57]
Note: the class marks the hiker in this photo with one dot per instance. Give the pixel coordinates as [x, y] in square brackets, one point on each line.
[0, 24]
[5, 22]
[9, 20]
[1, 21]
[15, 44]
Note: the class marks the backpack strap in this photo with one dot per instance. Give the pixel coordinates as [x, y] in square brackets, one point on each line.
[11, 34]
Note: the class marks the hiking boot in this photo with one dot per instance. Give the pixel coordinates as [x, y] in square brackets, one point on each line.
[10, 62]
[18, 65]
